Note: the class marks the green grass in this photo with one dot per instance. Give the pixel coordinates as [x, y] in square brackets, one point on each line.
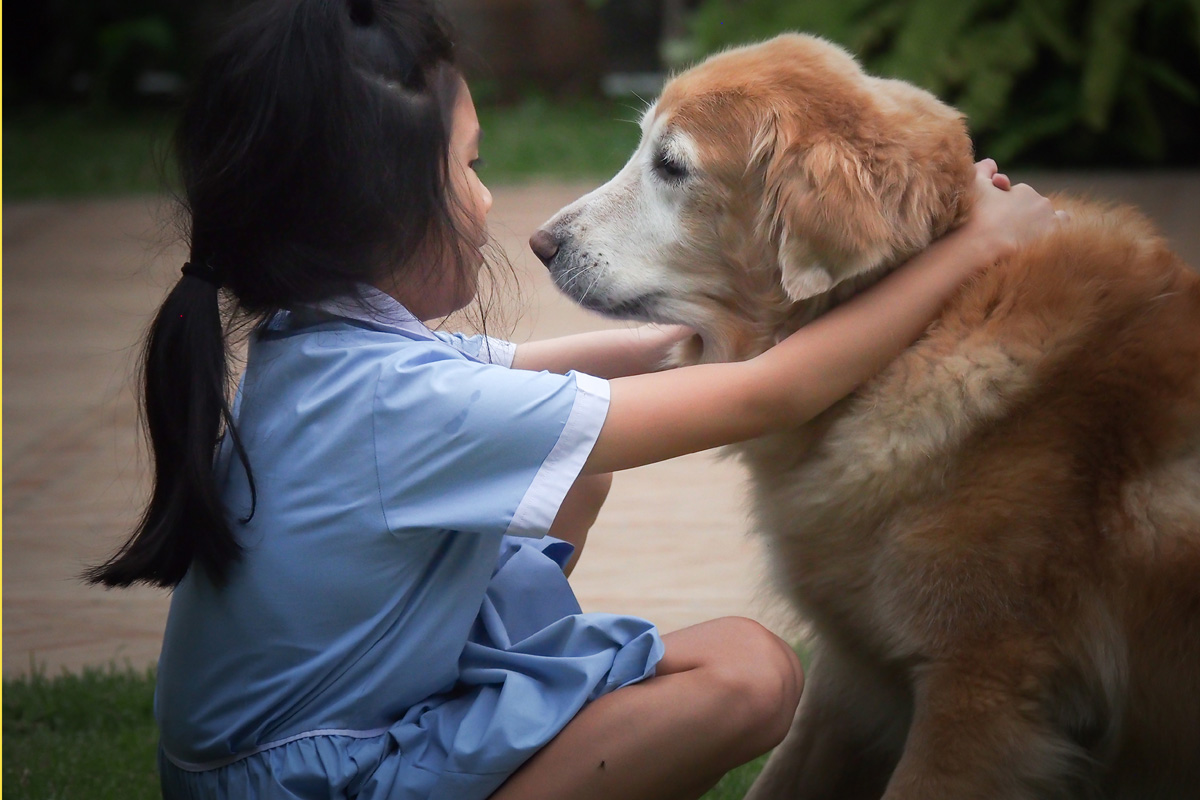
[80, 736]
[69, 153]
[735, 784]
[92, 736]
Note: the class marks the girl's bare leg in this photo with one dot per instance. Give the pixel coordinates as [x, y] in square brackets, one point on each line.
[724, 693]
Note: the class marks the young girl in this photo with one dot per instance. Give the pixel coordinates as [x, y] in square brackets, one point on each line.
[366, 601]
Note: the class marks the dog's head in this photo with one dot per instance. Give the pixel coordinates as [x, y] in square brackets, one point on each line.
[766, 176]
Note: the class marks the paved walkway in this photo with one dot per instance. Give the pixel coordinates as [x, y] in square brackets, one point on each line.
[82, 280]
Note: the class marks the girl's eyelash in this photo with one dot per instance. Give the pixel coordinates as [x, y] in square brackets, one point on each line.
[477, 164]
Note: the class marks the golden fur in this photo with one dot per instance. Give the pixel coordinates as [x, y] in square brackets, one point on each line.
[997, 540]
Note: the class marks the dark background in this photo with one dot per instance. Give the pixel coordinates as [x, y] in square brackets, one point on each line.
[1048, 83]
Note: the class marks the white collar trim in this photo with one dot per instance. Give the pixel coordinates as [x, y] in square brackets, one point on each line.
[376, 309]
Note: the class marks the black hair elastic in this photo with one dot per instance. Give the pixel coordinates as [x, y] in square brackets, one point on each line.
[204, 272]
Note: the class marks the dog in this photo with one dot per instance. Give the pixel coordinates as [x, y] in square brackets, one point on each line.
[997, 539]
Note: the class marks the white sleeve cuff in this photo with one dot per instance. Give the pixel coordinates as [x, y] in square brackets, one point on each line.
[556, 476]
[498, 351]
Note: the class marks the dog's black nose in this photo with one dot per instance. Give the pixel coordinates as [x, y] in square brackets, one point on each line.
[544, 245]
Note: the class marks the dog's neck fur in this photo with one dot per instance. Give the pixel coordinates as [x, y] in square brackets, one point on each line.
[746, 333]
[761, 314]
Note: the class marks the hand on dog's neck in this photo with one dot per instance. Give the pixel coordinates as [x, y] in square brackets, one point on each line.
[739, 337]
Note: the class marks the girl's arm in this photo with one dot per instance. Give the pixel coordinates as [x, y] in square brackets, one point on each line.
[658, 416]
[607, 354]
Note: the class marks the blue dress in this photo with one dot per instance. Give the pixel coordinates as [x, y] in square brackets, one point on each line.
[399, 625]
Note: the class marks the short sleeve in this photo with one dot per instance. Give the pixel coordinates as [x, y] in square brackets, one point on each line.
[466, 446]
[488, 349]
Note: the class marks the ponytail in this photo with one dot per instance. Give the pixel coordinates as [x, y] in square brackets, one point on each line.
[184, 376]
[312, 153]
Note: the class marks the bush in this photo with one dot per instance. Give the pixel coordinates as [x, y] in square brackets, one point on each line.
[100, 51]
[1042, 82]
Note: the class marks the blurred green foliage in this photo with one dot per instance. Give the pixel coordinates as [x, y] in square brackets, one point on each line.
[568, 139]
[1042, 82]
[1049, 83]
[60, 152]
[84, 152]
[100, 52]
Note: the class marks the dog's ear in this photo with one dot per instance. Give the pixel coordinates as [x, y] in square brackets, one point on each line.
[826, 214]
[839, 206]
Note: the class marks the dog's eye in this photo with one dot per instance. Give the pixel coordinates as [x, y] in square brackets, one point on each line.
[668, 168]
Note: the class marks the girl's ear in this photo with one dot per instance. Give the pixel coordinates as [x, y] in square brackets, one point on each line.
[827, 215]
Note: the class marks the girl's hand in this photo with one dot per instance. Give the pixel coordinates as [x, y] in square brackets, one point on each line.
[1004, 218]
[608, 354]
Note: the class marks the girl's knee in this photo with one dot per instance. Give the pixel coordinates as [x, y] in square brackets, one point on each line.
[762, 679]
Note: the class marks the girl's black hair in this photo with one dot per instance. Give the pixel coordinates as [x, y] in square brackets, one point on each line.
[313, 155]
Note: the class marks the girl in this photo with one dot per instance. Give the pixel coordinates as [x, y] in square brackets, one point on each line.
[366, 601]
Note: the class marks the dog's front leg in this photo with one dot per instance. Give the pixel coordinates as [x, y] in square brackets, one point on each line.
[978, 732]
[846, 738]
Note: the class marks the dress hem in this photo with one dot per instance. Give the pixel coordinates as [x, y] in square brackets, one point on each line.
[204, 766]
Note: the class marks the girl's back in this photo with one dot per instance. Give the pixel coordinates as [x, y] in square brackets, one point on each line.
[390, 462]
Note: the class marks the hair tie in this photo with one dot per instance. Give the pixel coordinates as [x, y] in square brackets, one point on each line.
[203, 272]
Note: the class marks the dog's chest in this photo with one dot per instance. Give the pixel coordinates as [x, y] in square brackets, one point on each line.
[833, 498]
[826, 512]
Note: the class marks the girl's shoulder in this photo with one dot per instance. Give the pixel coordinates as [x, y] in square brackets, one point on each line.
[321, 337]
[299, 360]
[392, 330]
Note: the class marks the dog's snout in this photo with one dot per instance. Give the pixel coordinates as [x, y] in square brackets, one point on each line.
[544, 245]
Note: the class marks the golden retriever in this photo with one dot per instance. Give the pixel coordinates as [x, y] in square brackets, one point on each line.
[997, 539]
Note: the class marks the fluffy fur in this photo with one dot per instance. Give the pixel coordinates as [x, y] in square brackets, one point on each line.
[997, 540]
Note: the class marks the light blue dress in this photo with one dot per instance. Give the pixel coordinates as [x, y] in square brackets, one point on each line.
[399, 625]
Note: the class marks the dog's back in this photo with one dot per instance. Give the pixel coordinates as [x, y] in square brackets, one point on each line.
[1009, 518]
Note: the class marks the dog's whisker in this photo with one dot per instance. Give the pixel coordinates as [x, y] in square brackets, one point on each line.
[573, 275]
[595, 280]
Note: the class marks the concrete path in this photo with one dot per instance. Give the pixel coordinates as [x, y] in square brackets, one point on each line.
[82, 280]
